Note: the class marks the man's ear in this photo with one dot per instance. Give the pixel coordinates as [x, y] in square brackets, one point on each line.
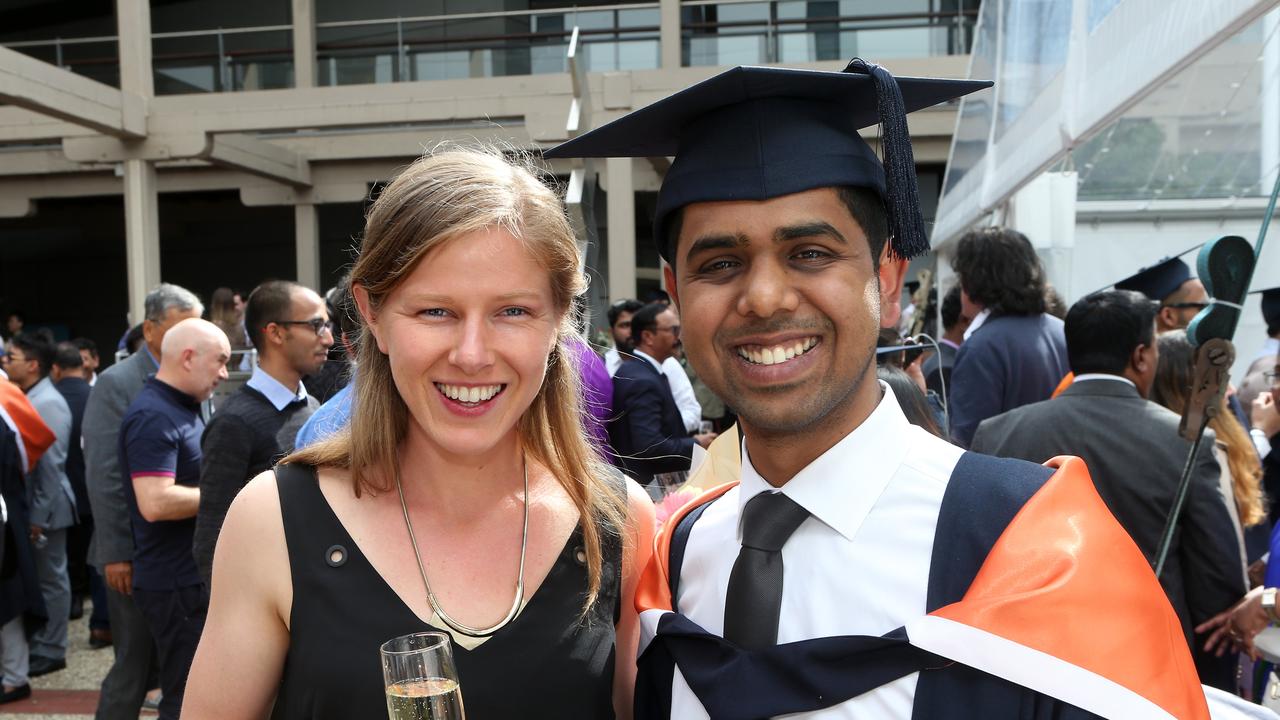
[893, 270]
[1138, 358]
[669, 281]
[365, 306]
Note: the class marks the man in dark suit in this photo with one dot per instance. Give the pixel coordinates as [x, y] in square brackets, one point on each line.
[111, 549]
[1136, 456]
[647, 432]
[71, 378]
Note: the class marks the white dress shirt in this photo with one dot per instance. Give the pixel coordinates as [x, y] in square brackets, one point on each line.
[978, 321]
[1103, 376]
[858, 566]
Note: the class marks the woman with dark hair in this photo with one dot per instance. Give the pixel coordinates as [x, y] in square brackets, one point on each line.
[915, 405]
[1014, 352]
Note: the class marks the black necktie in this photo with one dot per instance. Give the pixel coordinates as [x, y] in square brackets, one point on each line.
[755, 585]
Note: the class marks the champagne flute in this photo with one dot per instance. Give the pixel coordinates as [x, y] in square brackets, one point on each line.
[420, 678]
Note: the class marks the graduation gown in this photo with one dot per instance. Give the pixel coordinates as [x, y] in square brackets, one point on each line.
[1024, 556]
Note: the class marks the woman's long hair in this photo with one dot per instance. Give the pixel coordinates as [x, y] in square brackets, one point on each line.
[1172, 389]
[222, 308]
[443, 196]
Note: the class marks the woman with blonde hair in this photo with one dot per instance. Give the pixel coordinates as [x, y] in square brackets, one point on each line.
[464, 496]
[1241, 478]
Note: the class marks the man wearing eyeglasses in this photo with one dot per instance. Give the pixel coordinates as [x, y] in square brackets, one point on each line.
[1169, 282]
[254, 427]
[647, 432]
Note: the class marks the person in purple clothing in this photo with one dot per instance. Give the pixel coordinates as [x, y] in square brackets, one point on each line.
[597, 389]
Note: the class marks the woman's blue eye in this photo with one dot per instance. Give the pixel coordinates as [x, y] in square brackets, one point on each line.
[515, 312]
[434, 312]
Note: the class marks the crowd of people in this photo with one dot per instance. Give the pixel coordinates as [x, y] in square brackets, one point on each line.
[433, 444]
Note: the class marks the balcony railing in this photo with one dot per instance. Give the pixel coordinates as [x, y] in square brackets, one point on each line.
[525, 42]
[790, 31]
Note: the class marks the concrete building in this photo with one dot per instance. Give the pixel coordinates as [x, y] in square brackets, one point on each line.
[210, 144]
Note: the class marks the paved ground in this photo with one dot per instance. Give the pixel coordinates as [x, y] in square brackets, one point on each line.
[70, 694]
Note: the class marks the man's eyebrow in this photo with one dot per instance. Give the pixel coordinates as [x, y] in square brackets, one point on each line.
[715, 242]
[808, 230]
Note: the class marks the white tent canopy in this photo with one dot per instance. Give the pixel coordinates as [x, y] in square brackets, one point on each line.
[1066, 70]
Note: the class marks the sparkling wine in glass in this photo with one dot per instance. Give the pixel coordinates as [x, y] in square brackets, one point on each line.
[420, 678]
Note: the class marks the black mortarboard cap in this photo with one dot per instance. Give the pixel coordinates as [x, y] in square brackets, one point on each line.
[1158, 281]
[1270, 306]
[754, 133]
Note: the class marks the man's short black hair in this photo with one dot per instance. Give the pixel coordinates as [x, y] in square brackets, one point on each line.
[618, 307]
[865, 206]
[84, 343]
[1000, 270]
[272, 301]
[35, 347]
[646, 318]
[67, 356]
[951, 308]
[1103, 330]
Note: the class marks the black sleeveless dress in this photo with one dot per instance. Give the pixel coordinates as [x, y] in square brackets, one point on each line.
[548, 663]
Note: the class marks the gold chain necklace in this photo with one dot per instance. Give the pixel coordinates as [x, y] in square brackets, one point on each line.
[516, 605]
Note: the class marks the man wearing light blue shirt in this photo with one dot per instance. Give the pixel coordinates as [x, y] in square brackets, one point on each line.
[256, 426]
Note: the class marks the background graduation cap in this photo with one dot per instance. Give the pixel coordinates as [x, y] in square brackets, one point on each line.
[754, 133]
[1160, 280]
[1270, 306]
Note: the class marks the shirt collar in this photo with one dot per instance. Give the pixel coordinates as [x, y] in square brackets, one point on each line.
[1103, 376]
[175, 394]
[840, 487]
[977, 323]
[276, 393]
[656, 365]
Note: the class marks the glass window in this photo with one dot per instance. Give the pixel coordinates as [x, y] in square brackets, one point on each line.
[442, 65]
[712, 50]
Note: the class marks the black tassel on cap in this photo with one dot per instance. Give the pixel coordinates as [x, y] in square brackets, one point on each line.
[902, 197]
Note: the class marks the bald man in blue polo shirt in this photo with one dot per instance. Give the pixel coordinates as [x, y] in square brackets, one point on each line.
[160, 453]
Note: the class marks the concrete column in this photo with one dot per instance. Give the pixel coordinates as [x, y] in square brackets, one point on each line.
[304, 43]
[141, 214]
[669, 33]
[142, 234]
[621, 216]
[133, 19]
[307, 245]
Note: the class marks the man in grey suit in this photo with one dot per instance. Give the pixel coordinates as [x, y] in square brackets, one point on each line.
[1135, 456]
[51, 501]
[111, 550]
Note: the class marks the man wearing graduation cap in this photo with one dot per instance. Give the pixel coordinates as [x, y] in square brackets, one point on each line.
[847, 564]
[1169, 282]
